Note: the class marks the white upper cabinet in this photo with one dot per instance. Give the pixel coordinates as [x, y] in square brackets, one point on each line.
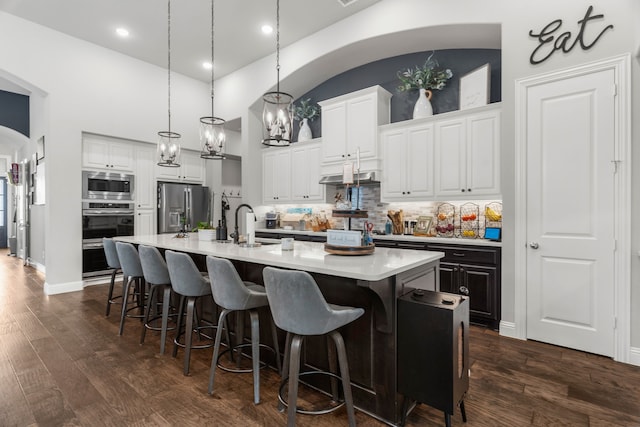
[305, 173]
[191, 169]
[145, 189]
[99, 153]
[408, 163]
[350, 122]
[276, 175]
[452, 156]
[468, 156]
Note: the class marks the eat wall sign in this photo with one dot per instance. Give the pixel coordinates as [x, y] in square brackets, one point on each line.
[551, 40]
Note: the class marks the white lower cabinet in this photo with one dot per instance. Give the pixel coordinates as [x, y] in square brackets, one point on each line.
[408, 163]
[145, 222]
[276, 175]
[305, 173]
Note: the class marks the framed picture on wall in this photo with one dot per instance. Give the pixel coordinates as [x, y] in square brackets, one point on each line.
[475, 88]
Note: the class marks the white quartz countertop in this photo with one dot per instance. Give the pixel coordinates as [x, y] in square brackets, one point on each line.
[306, 256]
[394, 237]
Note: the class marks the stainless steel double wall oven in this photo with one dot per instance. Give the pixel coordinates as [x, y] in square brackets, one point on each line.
[107, 211]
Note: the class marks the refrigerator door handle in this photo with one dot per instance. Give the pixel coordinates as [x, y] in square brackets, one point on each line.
[187, 208]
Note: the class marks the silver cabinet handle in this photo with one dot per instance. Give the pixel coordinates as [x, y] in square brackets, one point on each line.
[534, 245]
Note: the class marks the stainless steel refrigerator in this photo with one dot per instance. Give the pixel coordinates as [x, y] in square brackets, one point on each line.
[178, 203]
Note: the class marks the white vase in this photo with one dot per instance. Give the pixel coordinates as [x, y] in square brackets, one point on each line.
[305, 131]
[423, 105]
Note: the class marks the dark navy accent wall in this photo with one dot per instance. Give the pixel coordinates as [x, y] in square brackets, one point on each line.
[384, 73]
[14, 112]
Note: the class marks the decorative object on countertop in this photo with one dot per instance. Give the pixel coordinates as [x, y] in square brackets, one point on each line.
[205, 231]
[493, 215]
[469, 221]
[212, 135]
[276, 112]
[446, 220]
[425, 79]
[168, 150]
[397, 220]
[423, 225]
[305, 112]
[344, 242]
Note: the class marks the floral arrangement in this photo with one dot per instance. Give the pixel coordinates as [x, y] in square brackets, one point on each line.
[429, 76]
[305, 110]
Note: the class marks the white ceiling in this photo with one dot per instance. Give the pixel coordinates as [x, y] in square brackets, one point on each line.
[238, 37]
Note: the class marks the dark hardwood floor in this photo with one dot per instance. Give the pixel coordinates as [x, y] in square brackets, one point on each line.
[63, 363]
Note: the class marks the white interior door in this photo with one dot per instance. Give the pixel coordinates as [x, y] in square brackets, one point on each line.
[570, 212]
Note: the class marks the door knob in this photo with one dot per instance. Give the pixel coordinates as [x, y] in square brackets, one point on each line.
[534, 245]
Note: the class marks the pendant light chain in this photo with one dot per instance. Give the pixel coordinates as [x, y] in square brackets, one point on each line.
[169, 61]
[278, 44]
[212, 56]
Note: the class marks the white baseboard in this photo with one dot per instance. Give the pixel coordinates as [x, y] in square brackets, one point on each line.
[62, 288]
[100, 280]
[634, 356]
[508, 329]
[41, 268]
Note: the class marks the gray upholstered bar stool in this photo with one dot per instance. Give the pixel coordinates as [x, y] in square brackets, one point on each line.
[113, 262]
[156, 274]
[132, 271]
[233, 294]
[190, 284]
[299, 308]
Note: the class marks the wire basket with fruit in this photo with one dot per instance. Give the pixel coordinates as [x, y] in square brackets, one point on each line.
[445, 216]
[469, 221]
[493, 215]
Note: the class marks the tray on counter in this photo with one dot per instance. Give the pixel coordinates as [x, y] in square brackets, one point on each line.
[350, 250]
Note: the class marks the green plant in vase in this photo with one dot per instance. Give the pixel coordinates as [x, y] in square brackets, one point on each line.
[426, 78]
[304, 112]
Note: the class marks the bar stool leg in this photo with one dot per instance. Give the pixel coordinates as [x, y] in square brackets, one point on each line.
[178, 326]
[276, 346]
[333, 365]
[255, 354]
[110, 296]
[147, 313]
[285, 366]
[125, 297]
[188, 331]
[166, 297]
[216, 348]
[344, 372]
[294, 369]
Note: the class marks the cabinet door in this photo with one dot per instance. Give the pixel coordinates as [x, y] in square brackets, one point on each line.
[449, 278]
[394, 149]
[481, 283]
[334, 125]
[361, 126]
[191, 167]
[283, 175]
[483, 154]
[144, 222]
[419, 162]
[316, 191]
[95, 154]
[164, 173]
[451, 158]
[299, 179]
[121, 156]
[144, 186]
[268, 176]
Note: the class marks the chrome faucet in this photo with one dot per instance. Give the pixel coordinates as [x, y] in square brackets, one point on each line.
[236, 233]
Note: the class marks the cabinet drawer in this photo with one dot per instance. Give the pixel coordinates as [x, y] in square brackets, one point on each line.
[467, 255]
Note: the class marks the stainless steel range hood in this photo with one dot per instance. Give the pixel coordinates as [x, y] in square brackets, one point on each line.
[365, 178]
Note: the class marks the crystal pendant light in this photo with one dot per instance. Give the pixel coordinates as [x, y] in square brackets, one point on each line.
[212, 136]
[168, 151]
[276, 113]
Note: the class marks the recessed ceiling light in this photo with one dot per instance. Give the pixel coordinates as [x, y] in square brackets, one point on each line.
[122, 32]
[207, 65]
[267, 29]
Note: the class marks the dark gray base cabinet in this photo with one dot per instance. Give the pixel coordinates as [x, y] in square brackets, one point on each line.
[474, 272]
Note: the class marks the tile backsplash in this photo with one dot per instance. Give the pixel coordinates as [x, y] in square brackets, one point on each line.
[377, 211]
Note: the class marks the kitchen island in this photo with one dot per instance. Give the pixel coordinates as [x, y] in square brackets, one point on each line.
[372, 282]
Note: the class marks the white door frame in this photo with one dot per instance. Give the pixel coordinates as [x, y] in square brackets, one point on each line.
[621, 66]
